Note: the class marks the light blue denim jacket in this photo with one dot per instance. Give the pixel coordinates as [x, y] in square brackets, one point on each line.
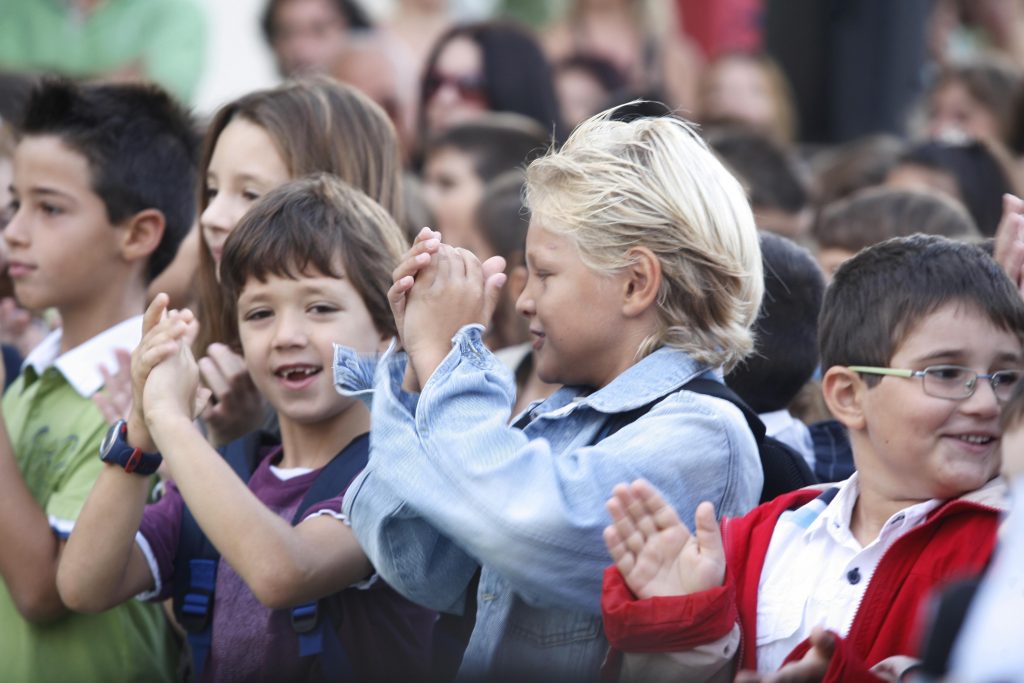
[451, 487]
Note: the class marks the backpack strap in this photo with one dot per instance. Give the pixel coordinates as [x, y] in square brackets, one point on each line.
[195, 564]
[316, 623]
[784, 469]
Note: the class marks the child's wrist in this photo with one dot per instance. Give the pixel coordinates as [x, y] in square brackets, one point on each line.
[426, 361]
[165, 421]
[138, 433]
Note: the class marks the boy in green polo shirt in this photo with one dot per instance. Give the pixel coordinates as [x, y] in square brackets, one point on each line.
[103, 193]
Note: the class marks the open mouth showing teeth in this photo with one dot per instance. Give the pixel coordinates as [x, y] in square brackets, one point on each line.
[297, 373]
[976, 439]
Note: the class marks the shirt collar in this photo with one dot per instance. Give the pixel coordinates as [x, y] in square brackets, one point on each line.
[838, 514]
[656, 375]
[81, 365]
[777, 420]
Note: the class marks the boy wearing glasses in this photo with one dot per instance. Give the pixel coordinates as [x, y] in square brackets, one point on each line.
[922, 340]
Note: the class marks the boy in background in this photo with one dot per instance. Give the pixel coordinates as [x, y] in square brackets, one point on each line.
[921, 338]
[103, 193]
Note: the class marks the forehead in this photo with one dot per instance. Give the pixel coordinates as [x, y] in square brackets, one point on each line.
[246, 147]
[300, 284]
[450, 159]
[307, 10]
[47, 161]
[461, 55]
[544, 243]
[958, 328]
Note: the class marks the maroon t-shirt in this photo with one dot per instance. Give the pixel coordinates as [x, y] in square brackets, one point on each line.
[385, 636]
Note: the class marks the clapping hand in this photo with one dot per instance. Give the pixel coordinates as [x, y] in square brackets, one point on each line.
[1009, 247]
[811, 668]
[437, 290]
[655, 552]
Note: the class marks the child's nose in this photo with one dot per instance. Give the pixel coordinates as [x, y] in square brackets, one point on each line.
[14, 231]
[983, 401]
[524, 304]
[290, 332]
[217, 215]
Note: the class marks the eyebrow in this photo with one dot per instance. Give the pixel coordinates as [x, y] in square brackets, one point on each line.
[244, 177]
[959, 353]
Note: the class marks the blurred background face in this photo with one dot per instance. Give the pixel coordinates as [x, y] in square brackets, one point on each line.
[452, 190]
[953, 111]
[309, 36]
[580, 95]
[454, 90]
[738, 89]
[914, 177]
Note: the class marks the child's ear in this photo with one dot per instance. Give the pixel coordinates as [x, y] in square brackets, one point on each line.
[843, 390]
[144, 231]
[642, 281]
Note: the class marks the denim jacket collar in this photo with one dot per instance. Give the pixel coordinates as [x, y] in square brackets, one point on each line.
[658, 374]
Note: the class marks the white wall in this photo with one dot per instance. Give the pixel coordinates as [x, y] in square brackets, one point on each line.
[237, 59]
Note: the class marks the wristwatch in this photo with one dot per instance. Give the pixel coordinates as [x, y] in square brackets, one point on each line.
[115, 450]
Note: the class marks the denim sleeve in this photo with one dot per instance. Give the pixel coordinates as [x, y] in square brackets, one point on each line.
[535, 515]
[406, 551]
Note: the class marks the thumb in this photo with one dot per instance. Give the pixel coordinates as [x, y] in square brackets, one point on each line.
[492, 293]
[709, 535]
[191, 332]
[823, 642]
[155, 312]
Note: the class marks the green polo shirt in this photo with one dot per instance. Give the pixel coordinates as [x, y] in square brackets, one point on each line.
[164, 39]
[56, 431]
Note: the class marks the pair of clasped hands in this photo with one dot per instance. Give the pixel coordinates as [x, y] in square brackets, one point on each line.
[438, 289]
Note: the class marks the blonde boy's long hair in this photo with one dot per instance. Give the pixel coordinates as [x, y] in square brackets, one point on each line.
[653, 183]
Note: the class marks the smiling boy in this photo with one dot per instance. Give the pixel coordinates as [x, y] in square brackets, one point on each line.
[103, 193]
[308, 267]
[922, 340]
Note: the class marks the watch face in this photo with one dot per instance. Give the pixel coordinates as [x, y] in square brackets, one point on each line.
[111, 437]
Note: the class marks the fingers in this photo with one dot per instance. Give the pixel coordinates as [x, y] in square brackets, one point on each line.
[418, 257]
[213, 377]
[1007, 231]
[823, 643]
[222, 370]
[155, 312]
[203, 396]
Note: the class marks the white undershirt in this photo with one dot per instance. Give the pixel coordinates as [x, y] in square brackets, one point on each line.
[816, 572]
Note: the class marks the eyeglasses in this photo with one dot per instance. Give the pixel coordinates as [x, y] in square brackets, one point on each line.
[952, 382]
[468, 87]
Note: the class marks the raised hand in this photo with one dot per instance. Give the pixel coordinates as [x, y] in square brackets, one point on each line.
[453, 291]
[115, 399]
[162, 333]
[655, 552]
[1009, 247]
[427, 242]
[238, 408]
[811, 668]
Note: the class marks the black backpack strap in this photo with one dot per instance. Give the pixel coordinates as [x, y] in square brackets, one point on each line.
[316, 623]
[336, 475]
[784, 469]
[195, 564]
[710, 387]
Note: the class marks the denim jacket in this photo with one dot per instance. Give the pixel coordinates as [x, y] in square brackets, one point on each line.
[451, 487]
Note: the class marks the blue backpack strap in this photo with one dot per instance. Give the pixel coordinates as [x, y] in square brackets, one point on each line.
[316, 623]
[195, 564]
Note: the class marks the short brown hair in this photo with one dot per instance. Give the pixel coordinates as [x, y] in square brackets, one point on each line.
[877, 214]
[318, 224]
[317, 125]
